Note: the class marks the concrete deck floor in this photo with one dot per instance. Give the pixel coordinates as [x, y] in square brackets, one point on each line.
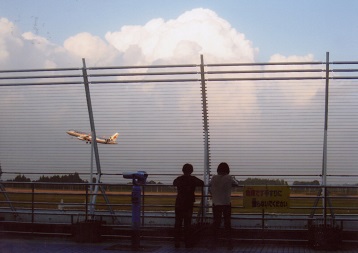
[66, 245]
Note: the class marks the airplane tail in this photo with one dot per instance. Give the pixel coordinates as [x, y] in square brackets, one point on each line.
[114, 137]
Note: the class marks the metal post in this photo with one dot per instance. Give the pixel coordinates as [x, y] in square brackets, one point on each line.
[90, 113]
[136, 206]
[263, 220]
[91, 180]
[32, 203]
[86, 203]
[142, 199]
[6, 196]
[206, 134]
[138, 179]
[93, 130]
[202, 206]
[263, 225]
[324, 160]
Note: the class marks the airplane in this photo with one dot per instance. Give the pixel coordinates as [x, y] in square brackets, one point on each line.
[88, 138]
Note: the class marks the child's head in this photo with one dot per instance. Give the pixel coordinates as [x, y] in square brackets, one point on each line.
[187, 169]
[223, 169]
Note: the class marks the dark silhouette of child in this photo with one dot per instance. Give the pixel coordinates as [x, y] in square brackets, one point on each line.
[184, 204]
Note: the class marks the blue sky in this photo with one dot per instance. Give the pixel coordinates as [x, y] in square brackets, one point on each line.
[283, 27]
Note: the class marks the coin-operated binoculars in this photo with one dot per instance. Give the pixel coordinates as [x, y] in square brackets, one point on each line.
[138, 178]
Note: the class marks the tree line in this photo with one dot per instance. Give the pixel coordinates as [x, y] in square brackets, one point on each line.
[74, 181]
[58, 182]
[262, 181]
[75, 178]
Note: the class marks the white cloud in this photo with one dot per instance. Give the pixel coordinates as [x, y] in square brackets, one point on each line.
[27, 50]
[179, 40]
[199, 31]
[292, 58]
[304, 94]
[93, 48]
[35, 38]
[9, 40]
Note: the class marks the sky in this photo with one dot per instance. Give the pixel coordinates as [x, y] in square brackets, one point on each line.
[54, 31]
[247, 120]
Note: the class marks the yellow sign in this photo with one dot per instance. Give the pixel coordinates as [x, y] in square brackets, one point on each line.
[267, 197]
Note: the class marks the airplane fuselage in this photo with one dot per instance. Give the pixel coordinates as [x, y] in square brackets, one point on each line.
[88, 138]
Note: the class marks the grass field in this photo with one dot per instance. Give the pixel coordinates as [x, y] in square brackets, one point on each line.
[300, 203]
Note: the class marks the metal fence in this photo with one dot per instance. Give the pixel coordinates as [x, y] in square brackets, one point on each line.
[57, 208]
[292, 121]
[288, 120]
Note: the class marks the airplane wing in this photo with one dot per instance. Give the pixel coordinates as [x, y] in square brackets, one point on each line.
[85, 138]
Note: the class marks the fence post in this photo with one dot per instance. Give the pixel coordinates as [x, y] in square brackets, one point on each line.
[202, 205]
[32, 203]
[93, 132]
[91, 118]
[87, 204]
[324, 160]
[206, 132]
[143, 196]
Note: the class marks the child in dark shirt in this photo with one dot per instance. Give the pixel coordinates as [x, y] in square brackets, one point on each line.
[184, 203]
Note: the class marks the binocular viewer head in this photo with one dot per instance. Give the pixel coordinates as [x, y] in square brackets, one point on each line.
[138, 177]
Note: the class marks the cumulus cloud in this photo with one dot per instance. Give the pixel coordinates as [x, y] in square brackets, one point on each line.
[85, 45]
[304, 94]
[27, 50]
[159, 41]
[199, 31]
[9, 40]
[180, 40]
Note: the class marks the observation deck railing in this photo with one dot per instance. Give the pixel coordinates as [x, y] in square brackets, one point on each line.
[53, 208]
